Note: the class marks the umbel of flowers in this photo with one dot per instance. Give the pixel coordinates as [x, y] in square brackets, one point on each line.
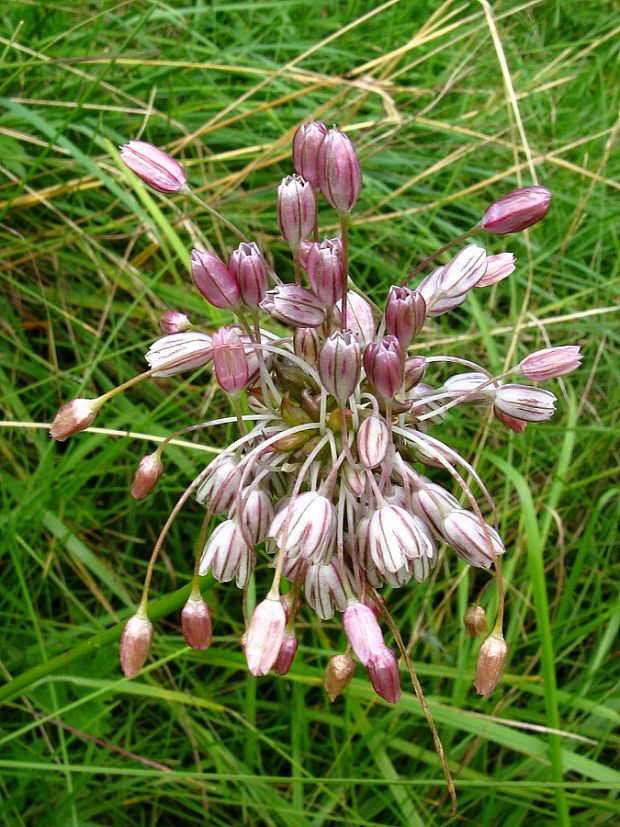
[330, 491]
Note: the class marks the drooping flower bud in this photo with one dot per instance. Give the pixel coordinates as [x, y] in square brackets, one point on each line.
[196, 622]
[232, 369]
[324, 587]
[306, 143]
[463, 272]
[491, 661]
[227, 554]
[524, 402]
[384, 364]
[296, 209]
[286, 655]
[73, 417]
[135, 644]
[338, 675]
[395, 536]
[147, 475]
[467, 536]
[471, 383]
[173, 322]
[499, 267]
[362, 630]
[154, 166]
[306, 344]
[306, 526]
[433, 503]
[373, 441]
[179, 352]
[257, 513]
[265, 636]
[360, 320]
[294, 305]
[476, 620]
[415, 368]
[551, 362]
[214, 280]
[220, 486]
[516, 211]
[340, 365]
[325, 269]
[339, 173]
[384, 674]
[404, 314]
[247, 265]
[437, 302]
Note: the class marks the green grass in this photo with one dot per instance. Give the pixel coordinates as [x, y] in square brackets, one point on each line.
[88, 263]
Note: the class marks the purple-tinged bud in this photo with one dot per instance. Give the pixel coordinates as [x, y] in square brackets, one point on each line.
[307, 526]
[265, 636]
[340, 365]
[516, 211]
[247, 264]
[306, 143]
[384, 364]
[437, 302]
[294, 305]
[354, 479]
[463, 272]
[286, 655]
[466, 535]
[499, 267]
[551, 362]
[373, 441]
[325, 269]
[415, 368]
[147, 475]
[362, 630]
[404, 314]
[196, 623]
[154, 166]
[324, 588]
[384, 675]
[135, 644]
[306, 344]
[491, 661]
[339, 173]
[230, 361]
[296, 209]
[220, 486]
[214, 280]
[516, 425]
[73, 417]
[179, 352]
[360, 320]
[173, 322]
[227, 554]
[524, 402]
[338, 674]
[470, 383]
[475, 621]
[433, 503]
[257, 513]
[395, 536]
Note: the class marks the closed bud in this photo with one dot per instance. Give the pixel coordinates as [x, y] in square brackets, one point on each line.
[360, 320]
[286, 654]
[475, 542]
[154, 166]
[524, 402]
[404, 314]
[135, 644]
[294, 305]
[338, 675]
[437, 302]
[306, 344]
[73, 417]
[415, 368]
[296, 209]
[247, 265]
[257, 513]
[476, 621]
[384, 364]
[499, 267]
[214, 280]
[179, 352]
[306, 143]
[172, 321]
[384, 674]
[306, 526]
[551, 362]
[363, 631]
[265, 636]
[516, 211]
[463, 272]
[339, 173]
[147, 475]
[433, 503]
[340, 365]
[325, 269]
[232, 368]
[291, 413]
[220, 486]
[373, 441]
[491, 661]
[196, 623]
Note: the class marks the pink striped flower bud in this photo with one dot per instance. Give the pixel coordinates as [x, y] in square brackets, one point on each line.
[467, 536]
[230, 361]
[395, 536]
[265, 636]
[173, 322]
[373, 442]
[339, 173]
[214, 280]
[154, 166]
[227, 555]
[354, 479]
[437, 302]
[294, 305]
[324, 587]
[433, 503]
[220, 486]
[324, 266]
[404, 314]
[360, 320]
[340, 365]
[551, 362]
[247, 265]
[338, 675]
[135, 644]
[73, 417]
[296, 209]
[306, 143]
[286, 654]
[470, 383]
[384, 674]
[147, 475]
[415, 368]
[306, 344]
[384, 364]
[179, 352]
[257, 513]
[475, 621]
[499, 267]
[363, 631]
[491, 661]
[307, 526]
[524, 402]
[516, 211]
[463, 272]
[196, 622]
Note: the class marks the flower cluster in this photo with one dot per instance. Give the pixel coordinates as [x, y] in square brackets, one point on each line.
[330, 483]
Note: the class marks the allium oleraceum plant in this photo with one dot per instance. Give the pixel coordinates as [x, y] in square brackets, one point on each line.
[329, 481]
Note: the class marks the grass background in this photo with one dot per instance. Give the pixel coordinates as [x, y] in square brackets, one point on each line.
[450, 105]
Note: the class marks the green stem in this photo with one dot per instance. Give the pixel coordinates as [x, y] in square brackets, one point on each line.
[437, 253]
[217, 215]
[344, 235]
